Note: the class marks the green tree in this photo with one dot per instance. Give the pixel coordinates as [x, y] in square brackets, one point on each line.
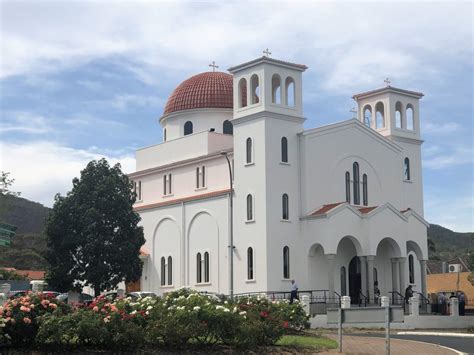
[92, 233]
[5, 183]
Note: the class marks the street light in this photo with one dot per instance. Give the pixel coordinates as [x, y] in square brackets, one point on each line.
[231, 242]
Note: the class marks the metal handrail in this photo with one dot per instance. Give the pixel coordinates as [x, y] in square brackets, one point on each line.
[364, 297]
[423, 297]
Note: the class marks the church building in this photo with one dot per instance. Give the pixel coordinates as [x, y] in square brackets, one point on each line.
[338, 208]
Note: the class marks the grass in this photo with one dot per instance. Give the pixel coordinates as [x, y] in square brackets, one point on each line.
[309, 342]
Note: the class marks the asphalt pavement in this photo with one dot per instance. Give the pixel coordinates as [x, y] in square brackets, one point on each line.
[465, 345]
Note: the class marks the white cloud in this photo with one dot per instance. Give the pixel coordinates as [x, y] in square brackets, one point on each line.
[449, 157]
[42, 169]
[347, 44]
[454, 212]
[440, 128]
[24, 122]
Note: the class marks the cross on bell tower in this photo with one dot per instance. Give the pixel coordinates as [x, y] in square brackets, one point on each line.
[267, 53]
[387, 81]
[213, 65]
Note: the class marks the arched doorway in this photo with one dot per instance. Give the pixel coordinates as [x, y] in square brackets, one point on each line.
[355, 279]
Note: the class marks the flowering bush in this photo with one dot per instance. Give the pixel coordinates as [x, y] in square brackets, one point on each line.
[180, 319]
[21, 315]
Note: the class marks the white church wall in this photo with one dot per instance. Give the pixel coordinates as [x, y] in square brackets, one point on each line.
[336, 150]
[202, 120]
[250, 179]
[203, 143]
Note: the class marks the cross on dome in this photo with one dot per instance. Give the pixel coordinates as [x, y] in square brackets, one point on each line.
[267, 53]
[213, 65]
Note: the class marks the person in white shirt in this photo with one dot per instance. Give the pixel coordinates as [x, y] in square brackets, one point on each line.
[294, 291]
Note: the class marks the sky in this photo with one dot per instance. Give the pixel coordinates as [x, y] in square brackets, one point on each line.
[84, 80]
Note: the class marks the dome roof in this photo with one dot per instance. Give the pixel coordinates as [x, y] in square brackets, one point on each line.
[205, 90]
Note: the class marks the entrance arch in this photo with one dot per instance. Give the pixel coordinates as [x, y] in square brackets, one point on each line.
[355, 279]
[347, 269]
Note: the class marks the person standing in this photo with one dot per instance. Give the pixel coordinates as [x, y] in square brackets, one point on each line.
[376, 292]
[408, 294]
[442, 302]
[294, 292]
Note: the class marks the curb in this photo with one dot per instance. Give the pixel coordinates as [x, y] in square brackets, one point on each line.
[439, 346]
[461, 335]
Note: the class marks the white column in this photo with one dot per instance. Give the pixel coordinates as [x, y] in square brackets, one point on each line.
[370, 277]
[345, 302]
[415, 305]
[454, 306]
[331, 261]
[395, 275]
[401, 264]
[305, 303]
[423, 276]
[363, 275]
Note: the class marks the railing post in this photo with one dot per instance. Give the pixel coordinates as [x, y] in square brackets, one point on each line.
[305, 303]
[454, 306]
[414, 305]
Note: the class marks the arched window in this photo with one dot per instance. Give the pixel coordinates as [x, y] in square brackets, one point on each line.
[163, 271]
[227, 127]
[286, 262]
[249, 207]
[348, 187]
[365, 193]
[406, 169]
[284, 150]
[188, 128]
[206, 267]
[164, 134]
[170, 270]
[249, 150]
[398, 114]
[249, 263]
[198, 268]
[411, 268]
[379, 115]
[410, 117]
[285, 211]
[356, 183]
[255, 89]
[343, 281]
[290, 91]
[367, 115]
[242, 93]
[276, 89]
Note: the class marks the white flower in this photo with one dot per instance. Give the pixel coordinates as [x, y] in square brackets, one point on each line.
[147, 313]
[149, 308]
[133, 312]
[226, 310]
[243, 313]
[197, 308]
[234, 310]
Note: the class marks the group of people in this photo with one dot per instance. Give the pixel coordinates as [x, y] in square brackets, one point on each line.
[440, 302]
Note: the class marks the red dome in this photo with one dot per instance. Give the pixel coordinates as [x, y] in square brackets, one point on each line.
[205, 90]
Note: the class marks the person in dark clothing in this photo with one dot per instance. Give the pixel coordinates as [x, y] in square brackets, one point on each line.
[376, 292]
[408, 294]
[294, 292]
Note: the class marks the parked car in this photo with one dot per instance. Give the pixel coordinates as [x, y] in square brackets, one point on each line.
[21, 293]
[84, 298]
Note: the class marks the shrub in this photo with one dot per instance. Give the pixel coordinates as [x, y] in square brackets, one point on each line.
[21, 316]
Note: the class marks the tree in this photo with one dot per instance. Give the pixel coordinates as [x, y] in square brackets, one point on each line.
[5, 183]
[92, 233]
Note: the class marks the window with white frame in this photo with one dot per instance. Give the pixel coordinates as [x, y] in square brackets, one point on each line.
[206, 267]
[249, 207]
[286, 262]
[285, 208]
[198, 268]
[250, 271]
[200, 177]
[249, 152]
[163, 271]
[167, 185]
[170, 270]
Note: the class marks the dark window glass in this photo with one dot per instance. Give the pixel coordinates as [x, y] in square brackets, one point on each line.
[355, 168]
[250, 264]
[411, 269]
[249, 207]
[227, 127]
[249, 150]
[206, 267]
[285, 207]
[163, 271]
[286, 263]
[284, 150]
[343, 281]
[188, 128]
[170, 270]
[348, 187]
[407, 169]
[365, 193]
[198, 268]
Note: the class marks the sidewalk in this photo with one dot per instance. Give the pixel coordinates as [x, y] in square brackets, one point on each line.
[372, 345]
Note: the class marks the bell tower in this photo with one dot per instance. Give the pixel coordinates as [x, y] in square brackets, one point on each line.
[267, 117]
[391, 111]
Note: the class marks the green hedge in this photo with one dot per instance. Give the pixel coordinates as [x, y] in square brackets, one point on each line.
[181, 319]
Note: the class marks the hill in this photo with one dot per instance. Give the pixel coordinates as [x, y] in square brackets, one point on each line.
[448, 243]
[29, 244]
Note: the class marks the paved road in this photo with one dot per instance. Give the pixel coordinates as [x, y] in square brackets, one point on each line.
[465, 345]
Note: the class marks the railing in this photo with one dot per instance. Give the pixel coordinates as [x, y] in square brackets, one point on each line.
[363, 299]
[397, 299]
[425, 304]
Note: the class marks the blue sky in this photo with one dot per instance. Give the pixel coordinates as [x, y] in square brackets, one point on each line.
[83, 80]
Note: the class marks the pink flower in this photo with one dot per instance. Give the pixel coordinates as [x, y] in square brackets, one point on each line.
[27, 320]
[53, 305]
[24, 309]
[95, 309]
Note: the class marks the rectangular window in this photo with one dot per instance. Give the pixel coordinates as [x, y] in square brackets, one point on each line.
[197, 177]
[203, 176]
[170, 191]
[165, 184]
[200, 177]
